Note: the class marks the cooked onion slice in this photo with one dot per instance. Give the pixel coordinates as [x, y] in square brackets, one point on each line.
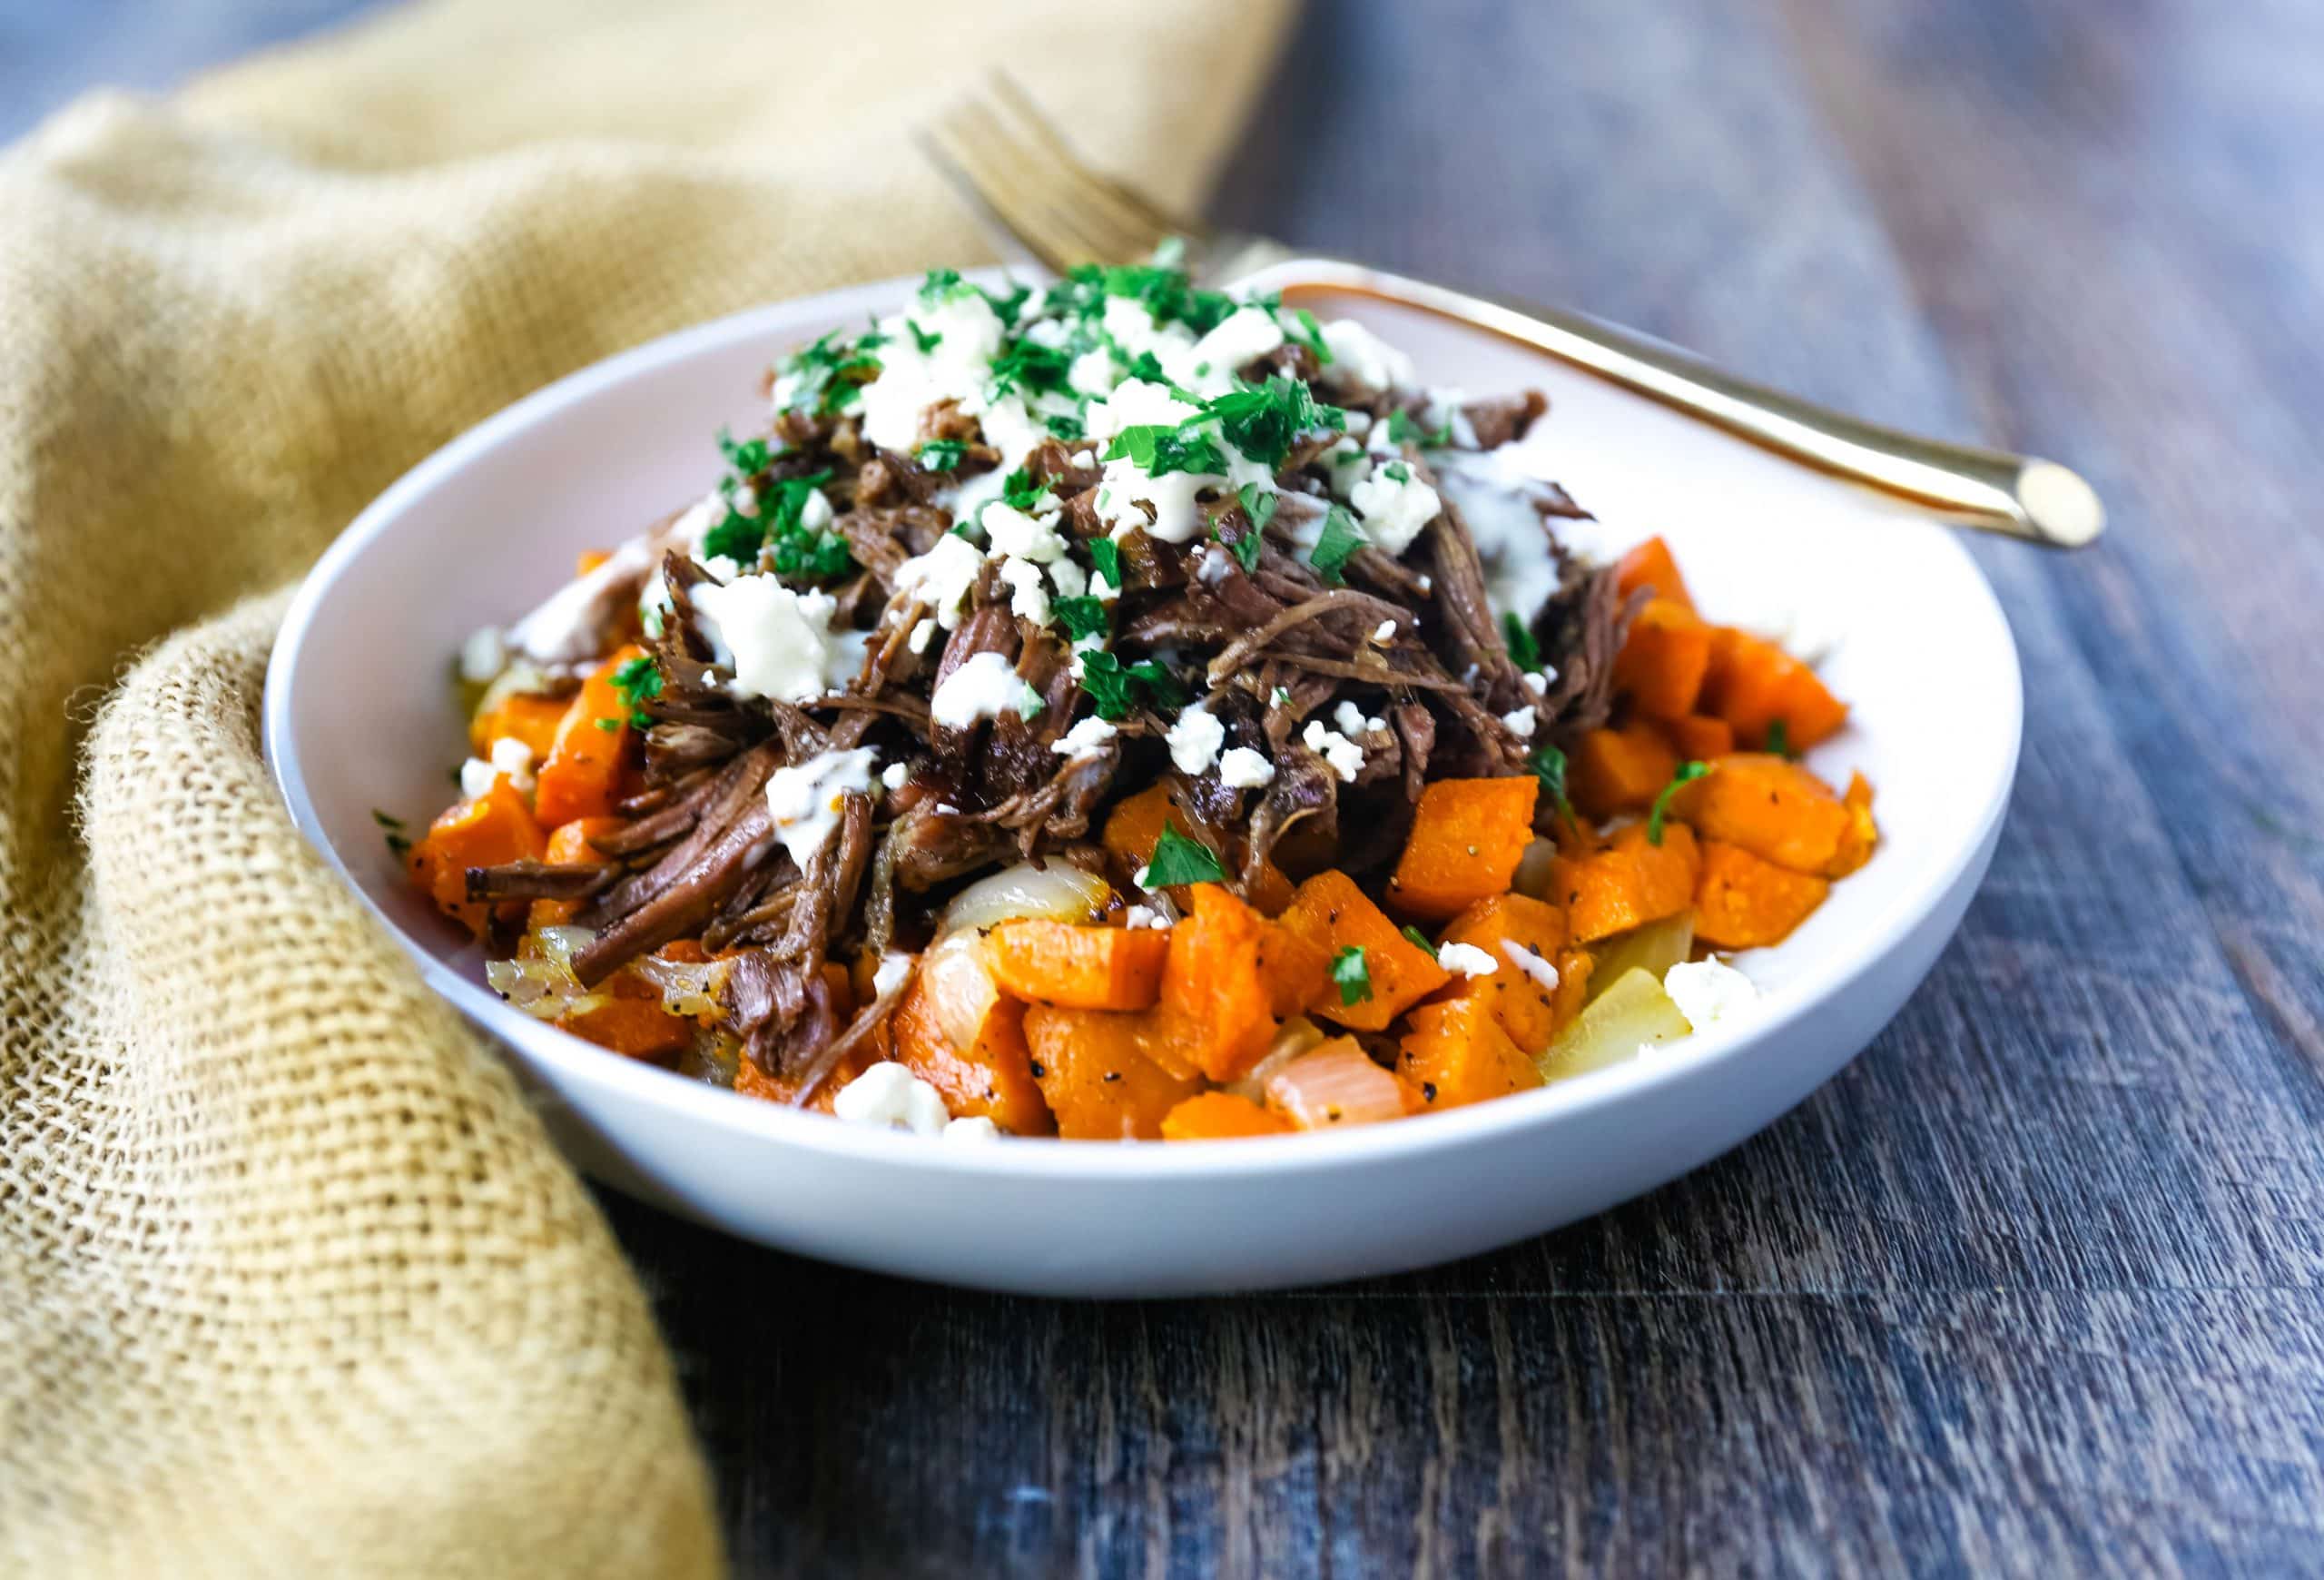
[1060, 892]
[1332, 1086]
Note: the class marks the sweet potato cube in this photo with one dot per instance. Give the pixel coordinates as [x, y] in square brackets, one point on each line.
[1627, 884]
[1523, 998]
[582, 769]
[1619, 770]
[1094, 1071]
[1663, 658]
[495, 828]
[1220, 1116]
[1467, 837]
[568, 845]
[1135, 827]
[1081, 968]
[1753, 683]
[1698, 737]
[992, 1075]
[1230, 975]
[519, 715]
[1331, 913]
[1776, 810]
[1649, 566]
[1743, 902]
[1456, 1052]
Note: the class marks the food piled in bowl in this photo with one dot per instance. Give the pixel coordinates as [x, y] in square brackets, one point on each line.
[1123, 710]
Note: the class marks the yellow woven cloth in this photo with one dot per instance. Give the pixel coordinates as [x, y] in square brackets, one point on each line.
[289, 1280]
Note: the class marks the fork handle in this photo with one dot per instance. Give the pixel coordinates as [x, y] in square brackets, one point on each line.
[2019, 495]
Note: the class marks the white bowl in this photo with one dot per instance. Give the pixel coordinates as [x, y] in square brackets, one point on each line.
[358, 716]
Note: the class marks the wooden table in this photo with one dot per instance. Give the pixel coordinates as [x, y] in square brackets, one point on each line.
[2034, 1285]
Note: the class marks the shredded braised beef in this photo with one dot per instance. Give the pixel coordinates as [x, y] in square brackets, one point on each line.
[1395, 657]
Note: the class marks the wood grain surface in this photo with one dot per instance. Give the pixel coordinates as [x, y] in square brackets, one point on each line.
[2033, 1286]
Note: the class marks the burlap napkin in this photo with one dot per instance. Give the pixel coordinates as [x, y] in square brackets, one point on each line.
[289, 1280]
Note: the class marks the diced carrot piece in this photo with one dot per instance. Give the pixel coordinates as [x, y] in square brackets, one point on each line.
[1743, 902]
[1863, 834]
[1457, 1052]
[1649, 566]
[568, 845]
[1097, 1077]
[1220, 1116]
[1230, 975]
[750, 1081]
[1663, 659]
[1330, 912]
[1336, 1083]
[1619, 770]
[494, 828]
[519, 715]
[637, 1028]
[1776, 810]
[1698, 737]
[1753, 683]
[993, 1074]
[1629, 884]
[1135, 827]
[1524, 1006]
[1080, 968]
[1467, 837]
[584, 764]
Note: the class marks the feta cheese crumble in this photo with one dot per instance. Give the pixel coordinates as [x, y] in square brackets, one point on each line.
[1466, 959]
[1706, 991]
[806, 798]
[1195, 738]
[1544, 974]
[890, 1097]
[1085, 740]
[1243, 768]
[986, 686]
[1345, 757]
[778, 643]
[1395, 509]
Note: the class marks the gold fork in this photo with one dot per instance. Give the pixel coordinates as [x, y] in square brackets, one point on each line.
[1014, 164]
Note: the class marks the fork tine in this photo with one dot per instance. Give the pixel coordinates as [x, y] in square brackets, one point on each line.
[1023, 172]
[1039, 196]
[1146, 213]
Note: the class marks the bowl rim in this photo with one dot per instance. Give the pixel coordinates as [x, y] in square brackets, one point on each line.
[1811, 990]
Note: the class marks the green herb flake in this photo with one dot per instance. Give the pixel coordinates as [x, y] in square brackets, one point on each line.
[1158, 449]
[1020, 491]
[942, 455]
[1518, 636]
[1779, 739]
[391, 829]
[1400, 426]
[1548, 763]
[1310, 334]
[1687, 775]
[1106, 556]
[1179, 860]
[1030, 365]
[607, 725]
[636, 683]
[1109, 687]
[1419, 940]
[1157, 679]
[1082, 617]
[1351, 976]
[1258, 508]
[1065, 427]
[1340, 539]
[926, 340]
[1263, 421]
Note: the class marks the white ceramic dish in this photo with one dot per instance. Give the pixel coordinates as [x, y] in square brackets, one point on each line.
[358, 717]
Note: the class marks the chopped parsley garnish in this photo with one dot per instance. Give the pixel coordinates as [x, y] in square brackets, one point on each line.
[1687, 774]
[1030, 365]
[1112, 686]
[636, 683]
[1518, 636]
[1400, 426]
[830, 377]
[923, 338]
[1398, 471]
[797, 551]
[1351, 976]
[1548, 763]
[1419, 940]
[1401, 429]
[1179, 860]
[1258, 508]
[1106, 556]
[1779, 739]
[1309, 333]
[1262, 420]
[939, 285]
[1169, 295]
[1007, 308]
[1065, 427]
[1020, 491]
[749, 458]
[391, 829]
[1340, 539]
[942, 455]
[1081, 616]
[1158, 449]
